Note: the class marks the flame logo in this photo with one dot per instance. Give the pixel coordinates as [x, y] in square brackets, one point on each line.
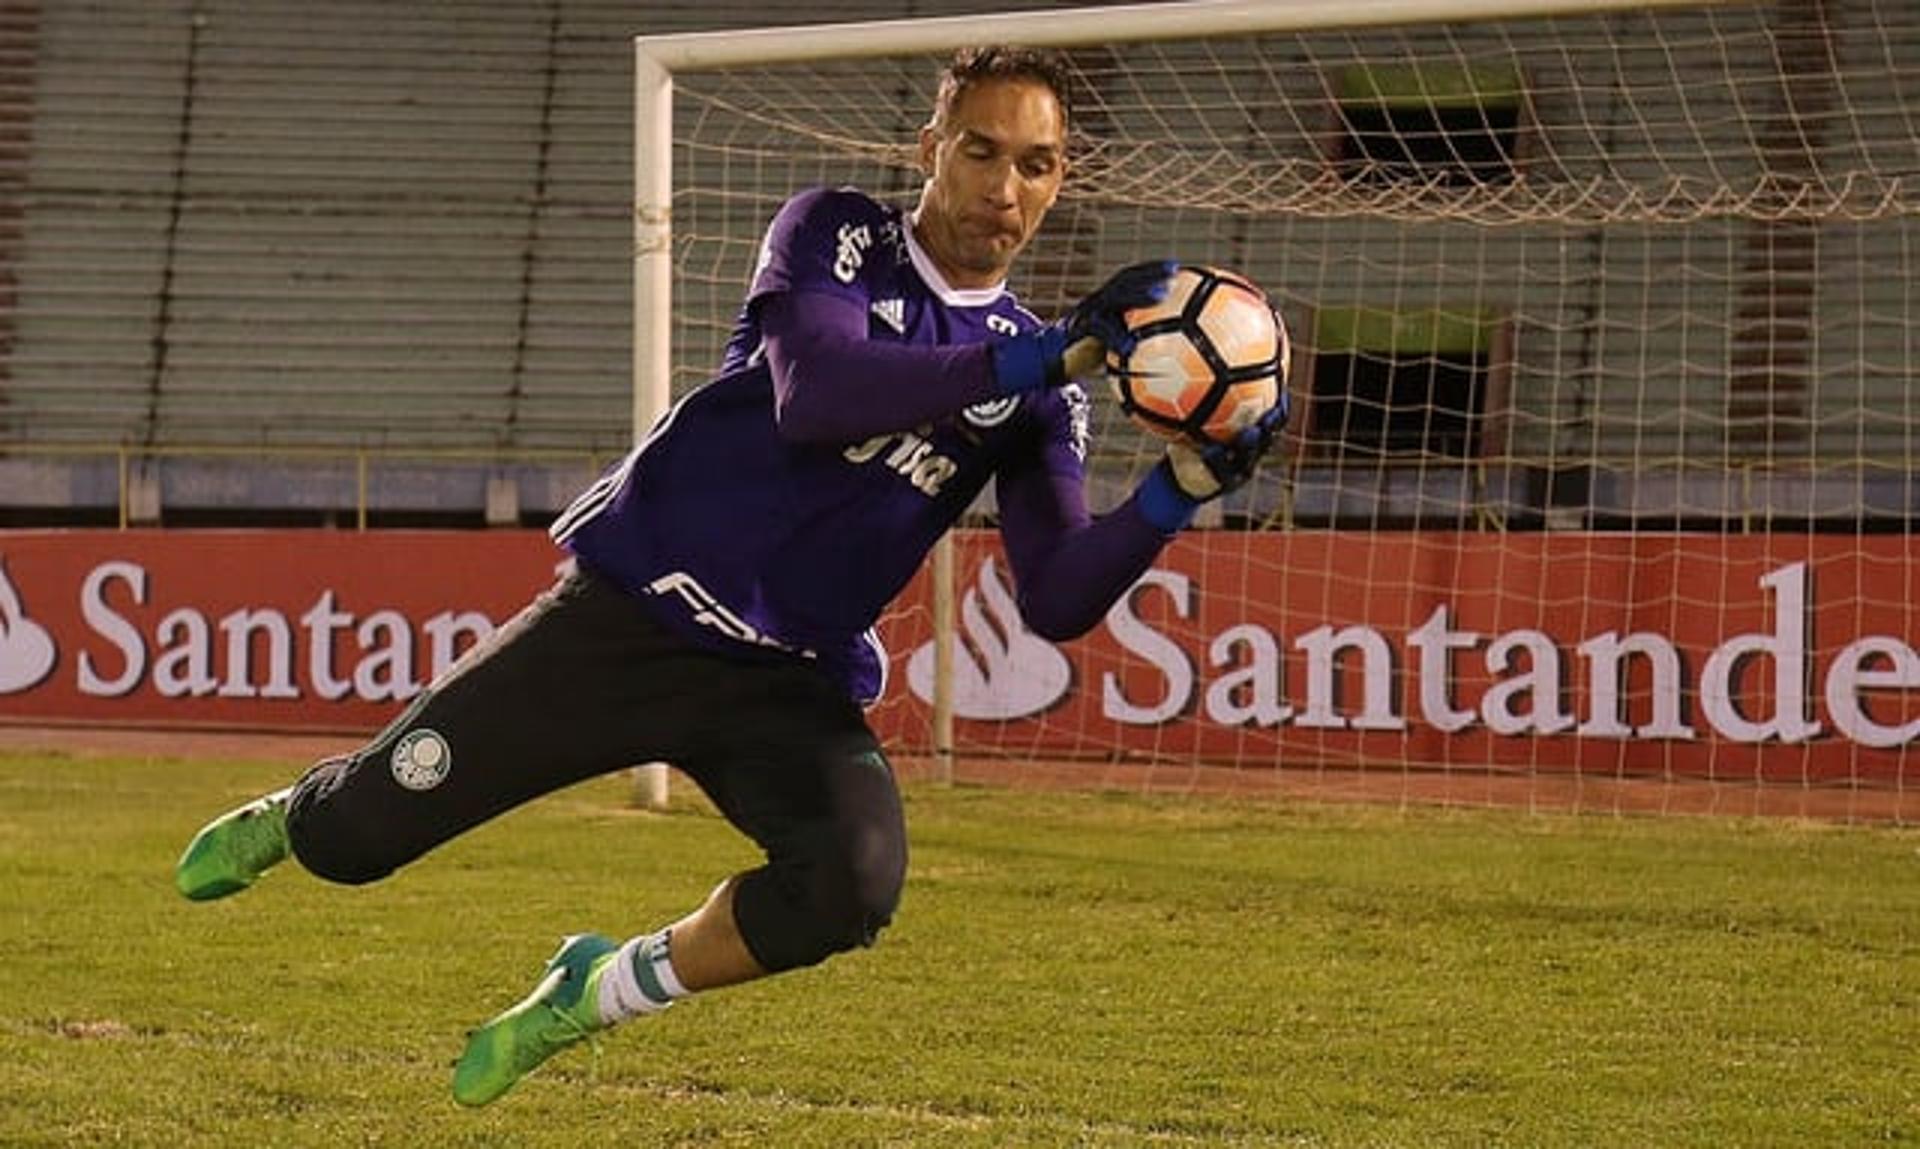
[26, 649]
[1001, 669]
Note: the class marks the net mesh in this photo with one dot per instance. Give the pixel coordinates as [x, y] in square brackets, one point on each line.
[1602, 334]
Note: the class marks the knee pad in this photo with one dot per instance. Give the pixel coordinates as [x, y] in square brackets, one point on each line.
[835, 893]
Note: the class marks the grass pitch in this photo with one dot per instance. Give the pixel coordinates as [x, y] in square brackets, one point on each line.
[1066, 970]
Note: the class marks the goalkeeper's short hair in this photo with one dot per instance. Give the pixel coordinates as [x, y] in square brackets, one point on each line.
[969, 66]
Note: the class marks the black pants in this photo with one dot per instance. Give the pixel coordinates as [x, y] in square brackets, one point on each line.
[582, 682]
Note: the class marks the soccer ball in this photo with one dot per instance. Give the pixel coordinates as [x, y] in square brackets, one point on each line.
[1207, 360]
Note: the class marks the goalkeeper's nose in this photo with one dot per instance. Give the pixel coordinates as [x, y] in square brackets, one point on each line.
[1003, 186]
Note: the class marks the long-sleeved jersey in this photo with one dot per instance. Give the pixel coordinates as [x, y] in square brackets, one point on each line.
[778, 509]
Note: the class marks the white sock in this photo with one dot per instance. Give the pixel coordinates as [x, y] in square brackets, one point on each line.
[639, 980]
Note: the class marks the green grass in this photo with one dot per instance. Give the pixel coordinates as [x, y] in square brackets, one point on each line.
[1066, 970]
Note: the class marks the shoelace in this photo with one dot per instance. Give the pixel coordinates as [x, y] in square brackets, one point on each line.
[525, 1061]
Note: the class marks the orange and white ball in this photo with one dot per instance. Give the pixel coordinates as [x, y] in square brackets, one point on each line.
[1210, 358]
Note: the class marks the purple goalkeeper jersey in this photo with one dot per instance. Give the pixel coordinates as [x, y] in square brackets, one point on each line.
[780, 507]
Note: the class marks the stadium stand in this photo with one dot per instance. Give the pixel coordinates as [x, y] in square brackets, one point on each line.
[274, 260]
[270, 260]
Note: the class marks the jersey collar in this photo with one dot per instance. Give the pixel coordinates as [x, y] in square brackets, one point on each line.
[950, 295]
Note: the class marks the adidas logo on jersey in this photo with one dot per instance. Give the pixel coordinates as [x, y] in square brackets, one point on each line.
[892, 312]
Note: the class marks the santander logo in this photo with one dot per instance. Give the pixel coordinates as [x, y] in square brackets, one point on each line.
[1758, 677]
[1001, 670]
[26, 649]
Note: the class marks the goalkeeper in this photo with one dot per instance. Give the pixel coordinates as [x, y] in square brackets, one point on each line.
[729, 571]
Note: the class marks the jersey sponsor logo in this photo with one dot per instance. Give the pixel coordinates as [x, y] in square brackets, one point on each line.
[1079, 419]
[1001, 670]
[912, 457]
[992, 413]
[709, 611]
[850, 250]
[27, 652]
[1001, 325]
[421, 760]
[892, 239]
[892, 312]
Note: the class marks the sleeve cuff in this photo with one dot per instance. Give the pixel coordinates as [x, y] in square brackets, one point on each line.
[1030, 362]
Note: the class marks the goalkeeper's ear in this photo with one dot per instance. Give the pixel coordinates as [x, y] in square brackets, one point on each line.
[923, 155]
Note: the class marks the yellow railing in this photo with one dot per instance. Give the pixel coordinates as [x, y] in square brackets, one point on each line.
[363, 459]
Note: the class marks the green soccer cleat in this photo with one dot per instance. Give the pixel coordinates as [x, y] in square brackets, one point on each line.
[232, 851]
[561, 1010]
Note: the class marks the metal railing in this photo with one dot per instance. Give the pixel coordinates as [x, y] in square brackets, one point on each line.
[129, 460]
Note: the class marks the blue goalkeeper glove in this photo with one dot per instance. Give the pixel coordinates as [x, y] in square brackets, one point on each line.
[1189, 476]
[1041, 358]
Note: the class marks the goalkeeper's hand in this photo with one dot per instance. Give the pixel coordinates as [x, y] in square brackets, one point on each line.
[1190, 475]
[1074, 346]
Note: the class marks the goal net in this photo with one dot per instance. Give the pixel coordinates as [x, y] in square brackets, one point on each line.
[1601, 467]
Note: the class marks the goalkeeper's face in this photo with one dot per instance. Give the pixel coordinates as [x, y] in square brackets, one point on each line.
[994, 165]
